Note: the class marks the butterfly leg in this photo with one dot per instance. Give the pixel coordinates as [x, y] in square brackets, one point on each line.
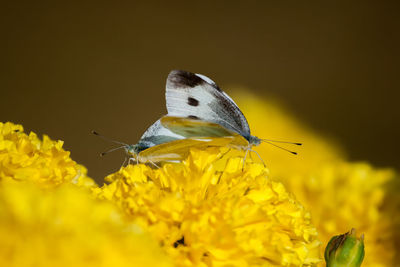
[244, 158]
[223, 154]
[250, 155]
[123, 163]
[130, 159]
[258, 155]
[155, 165]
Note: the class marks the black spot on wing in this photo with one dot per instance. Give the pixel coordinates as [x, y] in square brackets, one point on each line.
[193, 102]
[193, 117]
[183, 79]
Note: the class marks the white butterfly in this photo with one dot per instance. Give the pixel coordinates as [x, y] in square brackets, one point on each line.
[199, 114]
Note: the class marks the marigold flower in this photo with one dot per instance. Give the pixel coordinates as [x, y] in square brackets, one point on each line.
[210, 212]
[339, 195]
[26, 158]
[48, 216]
[65, 226]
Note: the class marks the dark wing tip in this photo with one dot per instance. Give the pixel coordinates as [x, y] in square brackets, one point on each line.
[183, 79]
[186, 79]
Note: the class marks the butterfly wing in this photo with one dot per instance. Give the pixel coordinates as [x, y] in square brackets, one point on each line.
[198, 97]
[179, 149]
[155, 135]
[191, 128]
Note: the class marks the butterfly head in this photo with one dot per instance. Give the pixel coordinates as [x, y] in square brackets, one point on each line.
[132, 150]
[254, 140]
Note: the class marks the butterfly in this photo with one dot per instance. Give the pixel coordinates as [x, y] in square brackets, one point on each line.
[200, 114]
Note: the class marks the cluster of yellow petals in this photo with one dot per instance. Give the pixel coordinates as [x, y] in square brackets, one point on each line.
[65, 226]
[48, 216]
[340, 195]
[210, 212]
[27, 158]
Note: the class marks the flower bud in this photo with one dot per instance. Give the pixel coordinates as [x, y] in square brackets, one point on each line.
[345, 250]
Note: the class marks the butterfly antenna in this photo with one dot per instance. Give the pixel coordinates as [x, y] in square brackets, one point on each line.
[111, 150]
[294, 153]
[108, 139]
[285, 142]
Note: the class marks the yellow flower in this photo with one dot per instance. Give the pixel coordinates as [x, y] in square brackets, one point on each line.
[210, 212]
[48, 216]
[65, 226]
[340, 195]
[26, 158]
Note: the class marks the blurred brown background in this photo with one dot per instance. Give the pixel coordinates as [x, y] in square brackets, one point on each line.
[69, 68]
